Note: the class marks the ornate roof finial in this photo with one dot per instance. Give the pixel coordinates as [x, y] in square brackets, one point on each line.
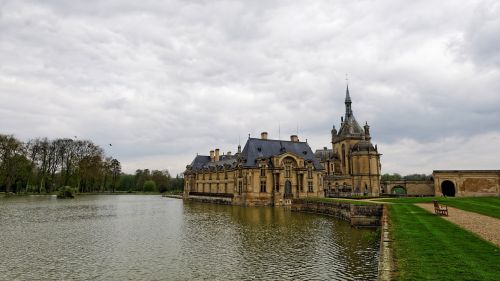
[347, 96]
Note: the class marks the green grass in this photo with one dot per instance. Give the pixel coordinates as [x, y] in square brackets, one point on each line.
[337, 200]
[489, 206]
[427, 247]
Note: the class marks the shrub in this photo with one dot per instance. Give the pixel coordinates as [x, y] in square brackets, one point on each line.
[149, 186]
[66, 192]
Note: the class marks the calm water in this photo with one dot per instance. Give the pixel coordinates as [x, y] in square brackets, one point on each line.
[152, 238]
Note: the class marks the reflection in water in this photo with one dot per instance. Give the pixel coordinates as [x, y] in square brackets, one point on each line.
[152, 238]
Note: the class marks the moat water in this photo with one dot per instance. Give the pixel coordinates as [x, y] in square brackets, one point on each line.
[138, 237]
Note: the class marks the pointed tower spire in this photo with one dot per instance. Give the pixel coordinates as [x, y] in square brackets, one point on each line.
[348, 110]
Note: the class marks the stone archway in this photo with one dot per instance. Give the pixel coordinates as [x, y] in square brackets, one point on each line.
[448, 188]
[399, 190]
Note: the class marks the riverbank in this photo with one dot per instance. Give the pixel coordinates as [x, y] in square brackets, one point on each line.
[3, 194]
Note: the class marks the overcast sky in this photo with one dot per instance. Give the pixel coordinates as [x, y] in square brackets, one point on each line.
[164, 80]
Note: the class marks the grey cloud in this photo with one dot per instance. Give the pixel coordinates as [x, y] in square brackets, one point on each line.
[164, 80]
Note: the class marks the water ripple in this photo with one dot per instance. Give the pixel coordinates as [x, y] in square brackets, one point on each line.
[152, 238]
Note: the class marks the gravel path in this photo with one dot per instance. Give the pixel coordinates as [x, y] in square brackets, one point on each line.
[486, 227]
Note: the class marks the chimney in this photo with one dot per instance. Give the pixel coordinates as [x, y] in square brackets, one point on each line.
[263, 135]
[217, 158]
[211, 156]
[229, 154]
[294, 138]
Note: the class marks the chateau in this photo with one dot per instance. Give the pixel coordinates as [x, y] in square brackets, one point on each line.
[272, 172]
[352, 166]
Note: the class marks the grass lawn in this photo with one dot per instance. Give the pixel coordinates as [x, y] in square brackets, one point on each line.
[489, 206]
[427, 247]
[337, 200]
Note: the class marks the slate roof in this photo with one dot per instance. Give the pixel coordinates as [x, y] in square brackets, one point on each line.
[202, 161]
[325, 154]
[350, 127]
[363, 145]
[266, 148]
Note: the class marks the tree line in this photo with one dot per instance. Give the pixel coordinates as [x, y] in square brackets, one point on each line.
[412, 177]
[42, 165]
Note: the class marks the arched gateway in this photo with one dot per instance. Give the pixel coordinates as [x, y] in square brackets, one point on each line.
[448, 188]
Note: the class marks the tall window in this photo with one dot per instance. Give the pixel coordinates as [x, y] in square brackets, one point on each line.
[225, 187]
[225, 173]
[309, 172]
[262, 186]
[309, 186]
[277, 182]
[240, 187]
[263, 171]
[300, 183]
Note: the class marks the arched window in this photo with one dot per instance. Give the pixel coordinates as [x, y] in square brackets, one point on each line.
[343, 156]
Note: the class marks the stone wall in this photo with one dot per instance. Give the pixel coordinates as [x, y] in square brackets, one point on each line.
[357, 215]
[412, 188]
[208, 199]
[468, 182]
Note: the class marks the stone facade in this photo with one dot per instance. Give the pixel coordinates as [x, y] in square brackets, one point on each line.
[352, 166]
[466, 183]
[266, 172]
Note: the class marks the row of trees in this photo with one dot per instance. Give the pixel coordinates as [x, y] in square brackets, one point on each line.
[151, 181]
[43, 165]
[412, 177]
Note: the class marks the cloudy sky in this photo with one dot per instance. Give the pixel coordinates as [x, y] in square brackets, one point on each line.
[164, 80]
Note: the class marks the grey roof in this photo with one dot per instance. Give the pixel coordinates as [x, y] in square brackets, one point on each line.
[363, 145]
[199, 161]
[350, 127]
[325, 154]
[266, 148]
[202, 161]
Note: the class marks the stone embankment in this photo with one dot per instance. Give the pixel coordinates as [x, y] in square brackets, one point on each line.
[357, 215]
[172, 196]
[386, 266]
[210, 199]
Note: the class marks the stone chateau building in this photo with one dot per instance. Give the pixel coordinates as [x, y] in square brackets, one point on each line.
[352, 166]
[272, 172]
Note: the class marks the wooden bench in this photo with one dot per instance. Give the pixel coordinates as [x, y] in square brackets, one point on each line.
[440, 210]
